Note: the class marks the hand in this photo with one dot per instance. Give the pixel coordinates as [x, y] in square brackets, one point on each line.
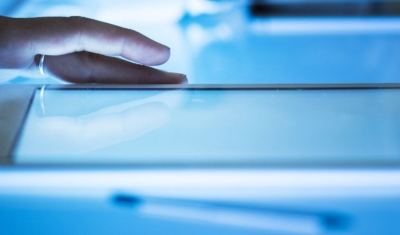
[78, 50]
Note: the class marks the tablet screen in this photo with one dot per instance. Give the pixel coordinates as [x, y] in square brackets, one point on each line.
[235, 127]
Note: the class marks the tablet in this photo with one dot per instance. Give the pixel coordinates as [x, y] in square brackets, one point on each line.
[239, 126]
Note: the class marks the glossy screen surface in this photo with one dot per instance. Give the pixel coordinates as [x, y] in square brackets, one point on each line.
[212, 127]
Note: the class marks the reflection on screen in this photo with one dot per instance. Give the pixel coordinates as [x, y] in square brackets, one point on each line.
[222, 127]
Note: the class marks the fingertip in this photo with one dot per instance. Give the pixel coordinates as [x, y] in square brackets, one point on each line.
[165, 55]
[167, 52]
[184, 80]
[160, 55]
[178, 78]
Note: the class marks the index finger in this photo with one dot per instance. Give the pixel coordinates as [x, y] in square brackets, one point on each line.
[63, 35]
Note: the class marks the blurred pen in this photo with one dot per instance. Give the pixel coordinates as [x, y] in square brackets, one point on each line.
[280, 220]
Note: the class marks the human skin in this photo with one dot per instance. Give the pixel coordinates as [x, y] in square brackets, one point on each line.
[83, 50]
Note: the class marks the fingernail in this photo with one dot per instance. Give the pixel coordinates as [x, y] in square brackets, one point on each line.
[182, 77]
[178, 74]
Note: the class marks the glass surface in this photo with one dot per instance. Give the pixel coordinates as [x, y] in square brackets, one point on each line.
[213, 127]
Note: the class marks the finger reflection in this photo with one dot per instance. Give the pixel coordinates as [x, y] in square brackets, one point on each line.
[78, 121]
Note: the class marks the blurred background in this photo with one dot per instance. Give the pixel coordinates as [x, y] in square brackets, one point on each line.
[228, 42]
